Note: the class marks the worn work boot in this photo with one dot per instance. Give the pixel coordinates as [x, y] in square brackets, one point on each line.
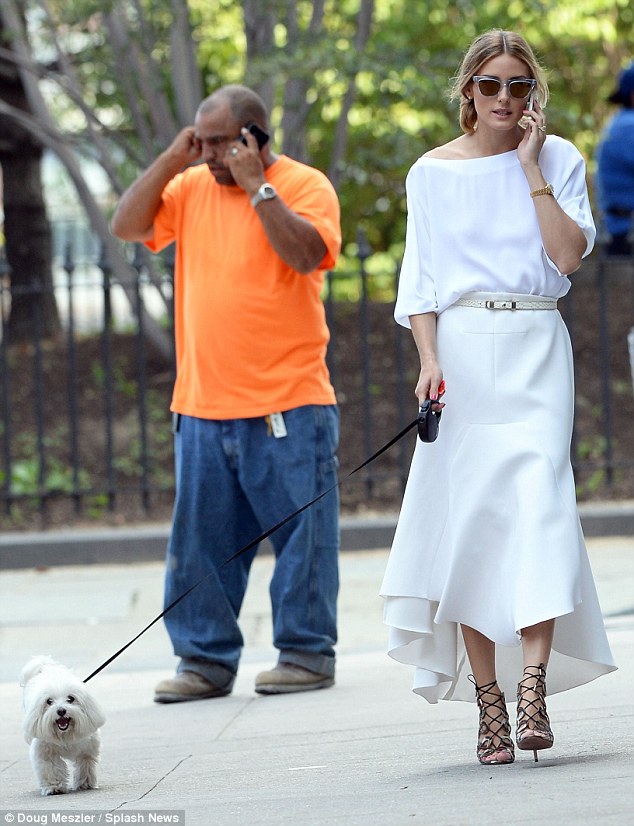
[287, 678]
[188, 685]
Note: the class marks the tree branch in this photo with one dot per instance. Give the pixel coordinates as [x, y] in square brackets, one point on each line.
[364, 27]
[296, 106]
[48, 133]
[188, 86]
[259, 26]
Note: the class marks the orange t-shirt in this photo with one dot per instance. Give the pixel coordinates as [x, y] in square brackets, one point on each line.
[251, 332]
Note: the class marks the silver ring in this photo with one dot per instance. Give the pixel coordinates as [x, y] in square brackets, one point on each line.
[234, 150]
[542, 128]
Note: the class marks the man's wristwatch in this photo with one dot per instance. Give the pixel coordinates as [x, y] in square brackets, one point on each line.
[264, 193]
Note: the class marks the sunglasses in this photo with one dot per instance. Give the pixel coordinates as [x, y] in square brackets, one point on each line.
[490, 86]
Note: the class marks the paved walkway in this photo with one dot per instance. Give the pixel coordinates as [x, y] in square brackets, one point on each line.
[362, 753]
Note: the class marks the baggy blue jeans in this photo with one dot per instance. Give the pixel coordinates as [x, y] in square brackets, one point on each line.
[235, 480]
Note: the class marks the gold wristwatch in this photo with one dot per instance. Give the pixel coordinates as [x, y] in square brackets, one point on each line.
[545, 190]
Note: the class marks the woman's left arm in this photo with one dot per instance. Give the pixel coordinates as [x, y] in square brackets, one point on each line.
[563, 240]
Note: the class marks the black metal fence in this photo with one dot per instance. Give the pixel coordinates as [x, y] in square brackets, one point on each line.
[84, 415]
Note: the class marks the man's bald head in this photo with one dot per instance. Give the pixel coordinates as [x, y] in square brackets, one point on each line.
[244, 104]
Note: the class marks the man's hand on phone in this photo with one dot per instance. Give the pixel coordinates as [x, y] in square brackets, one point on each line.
[245, 162]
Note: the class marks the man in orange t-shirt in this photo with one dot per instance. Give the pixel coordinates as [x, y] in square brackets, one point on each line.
[255, 417]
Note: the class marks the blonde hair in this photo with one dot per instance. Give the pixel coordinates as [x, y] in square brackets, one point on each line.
[488, 45]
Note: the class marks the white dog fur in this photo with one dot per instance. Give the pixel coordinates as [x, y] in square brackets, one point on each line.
[61, 723]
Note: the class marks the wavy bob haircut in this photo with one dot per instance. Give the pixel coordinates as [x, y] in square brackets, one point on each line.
[488, 45]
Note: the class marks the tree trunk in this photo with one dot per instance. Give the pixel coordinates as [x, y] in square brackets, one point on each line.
[27, 230]
[28, 250]
[186, 75]
[296, 105]
[260, 17]
[364, 27]
[41, 122]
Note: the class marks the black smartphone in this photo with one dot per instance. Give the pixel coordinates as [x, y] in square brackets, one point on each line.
[259, 134]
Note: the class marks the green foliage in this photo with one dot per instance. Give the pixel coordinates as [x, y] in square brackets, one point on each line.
[220, 41]
[44, 469]
[28, 477]
[400, 108]
[159, 441]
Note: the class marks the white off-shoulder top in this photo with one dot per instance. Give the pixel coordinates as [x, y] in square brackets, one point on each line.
[472, 226]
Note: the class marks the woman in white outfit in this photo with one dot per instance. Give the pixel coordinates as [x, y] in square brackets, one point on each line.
[488, 562]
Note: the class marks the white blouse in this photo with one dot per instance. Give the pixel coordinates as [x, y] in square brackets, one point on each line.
[472, 226]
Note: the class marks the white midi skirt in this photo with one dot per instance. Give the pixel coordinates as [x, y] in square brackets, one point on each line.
[489, 534]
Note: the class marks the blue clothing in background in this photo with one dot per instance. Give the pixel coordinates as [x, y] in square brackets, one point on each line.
[615, 173]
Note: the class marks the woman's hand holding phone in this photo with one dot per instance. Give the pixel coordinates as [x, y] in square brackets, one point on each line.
[533, 122]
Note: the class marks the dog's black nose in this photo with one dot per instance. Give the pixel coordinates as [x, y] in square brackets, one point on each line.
[61, 712]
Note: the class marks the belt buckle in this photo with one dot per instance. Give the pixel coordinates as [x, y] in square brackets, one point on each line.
[500, 305]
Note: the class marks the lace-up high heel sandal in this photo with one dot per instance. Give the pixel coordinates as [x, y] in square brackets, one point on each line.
[495, 746]
[533, 726]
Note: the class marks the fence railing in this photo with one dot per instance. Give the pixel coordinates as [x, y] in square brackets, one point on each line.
[84, 415]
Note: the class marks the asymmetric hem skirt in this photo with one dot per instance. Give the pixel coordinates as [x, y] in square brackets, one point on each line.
[489, 534]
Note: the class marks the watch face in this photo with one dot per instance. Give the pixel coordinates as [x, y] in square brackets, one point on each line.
[265, 193]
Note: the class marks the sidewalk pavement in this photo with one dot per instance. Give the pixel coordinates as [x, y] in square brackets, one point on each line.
[364, 752]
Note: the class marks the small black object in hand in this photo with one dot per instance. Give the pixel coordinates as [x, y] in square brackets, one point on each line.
[428, 421]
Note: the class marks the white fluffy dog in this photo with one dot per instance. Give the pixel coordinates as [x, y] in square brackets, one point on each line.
[61, 723]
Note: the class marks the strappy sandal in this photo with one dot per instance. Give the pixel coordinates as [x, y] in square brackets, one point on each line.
[495, 746]
[533, 726]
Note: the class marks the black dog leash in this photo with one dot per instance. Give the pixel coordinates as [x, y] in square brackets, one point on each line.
[255, 542]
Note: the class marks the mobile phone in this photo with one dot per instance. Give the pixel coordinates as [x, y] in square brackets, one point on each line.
[530, 103]
[259, 134]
